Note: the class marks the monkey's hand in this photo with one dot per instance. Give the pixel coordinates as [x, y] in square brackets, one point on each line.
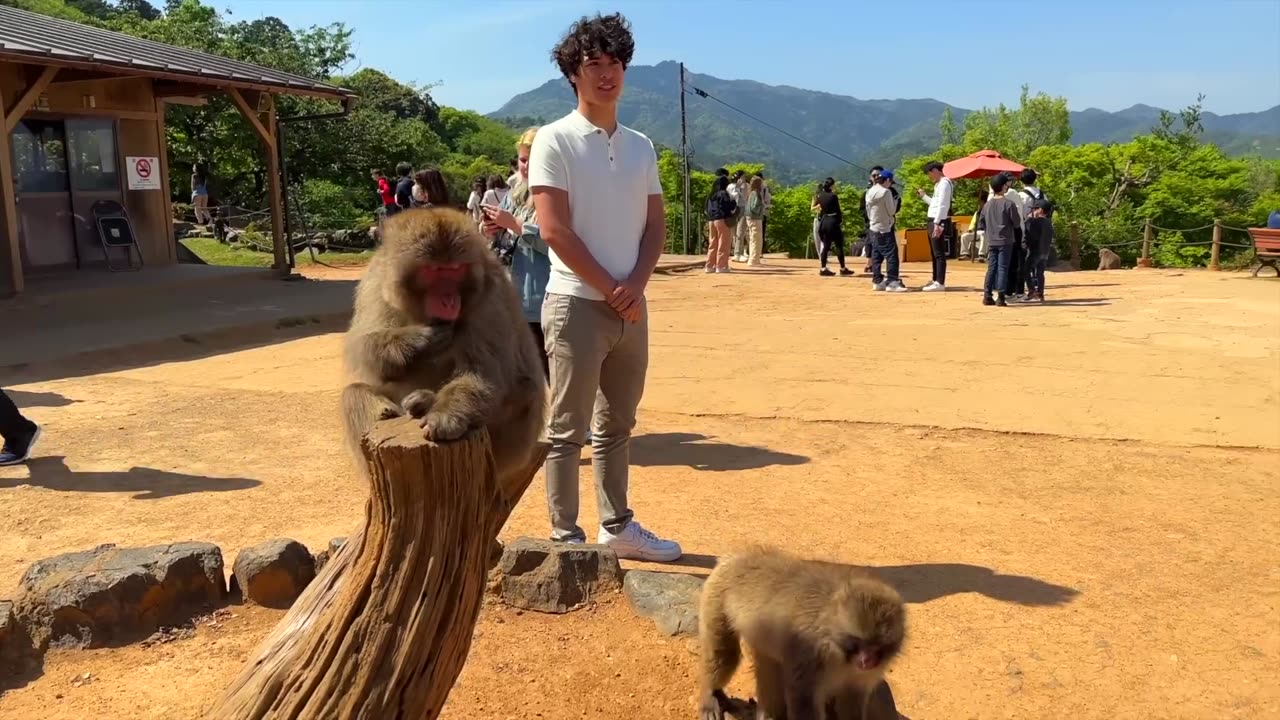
[464, 403]
[395, 350]
[418, 403]
[710, 708]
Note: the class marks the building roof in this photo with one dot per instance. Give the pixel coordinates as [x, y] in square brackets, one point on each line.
[40, 39]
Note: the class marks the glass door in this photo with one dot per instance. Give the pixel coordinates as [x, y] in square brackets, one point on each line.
[45, 222]
[94, 170]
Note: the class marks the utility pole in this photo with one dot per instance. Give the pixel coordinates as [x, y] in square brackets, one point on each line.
[684, 161]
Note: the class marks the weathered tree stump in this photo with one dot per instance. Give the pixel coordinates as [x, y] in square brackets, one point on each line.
[385, 628]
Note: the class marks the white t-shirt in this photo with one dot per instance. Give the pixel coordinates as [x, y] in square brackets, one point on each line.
[609, 181]
[495, 196]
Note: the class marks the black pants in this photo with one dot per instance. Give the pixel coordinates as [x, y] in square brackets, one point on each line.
[830, 235]
[540, 339]
[13, 426]
[1017, 260]
[884, 246]
[764, 233]
[938, 249]
[1034, 275]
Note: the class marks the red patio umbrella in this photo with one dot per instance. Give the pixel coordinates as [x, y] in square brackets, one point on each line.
[983, 163]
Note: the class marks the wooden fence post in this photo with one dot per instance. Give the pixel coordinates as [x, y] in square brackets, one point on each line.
[1075, 245]
[1217, 245]
[385, 629]
[1148, 233]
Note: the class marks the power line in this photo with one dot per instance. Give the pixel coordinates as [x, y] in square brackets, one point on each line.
[704, 94]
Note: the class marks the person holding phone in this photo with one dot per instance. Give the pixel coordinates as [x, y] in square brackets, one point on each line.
[513, 224]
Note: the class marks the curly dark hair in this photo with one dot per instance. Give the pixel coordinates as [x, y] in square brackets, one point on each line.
[591, 37]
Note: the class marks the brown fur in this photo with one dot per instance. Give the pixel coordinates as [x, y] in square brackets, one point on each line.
[800, 620]
[1108, 260]
[482, 370]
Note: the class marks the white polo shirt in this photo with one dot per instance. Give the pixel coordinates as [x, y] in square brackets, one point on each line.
[609, 181]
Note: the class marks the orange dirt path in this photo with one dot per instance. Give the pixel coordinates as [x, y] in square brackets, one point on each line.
[1079, 501]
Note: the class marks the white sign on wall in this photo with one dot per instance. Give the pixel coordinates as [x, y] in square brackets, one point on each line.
[144, 173]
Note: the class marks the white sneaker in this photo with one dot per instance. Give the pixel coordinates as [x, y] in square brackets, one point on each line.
[896, 286]
[723, 270]
[636, 543]
[934, 286]
[878, 286]
[709, 270]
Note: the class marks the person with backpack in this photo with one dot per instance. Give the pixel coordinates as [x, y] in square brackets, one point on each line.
[755, 221]
[720, 212]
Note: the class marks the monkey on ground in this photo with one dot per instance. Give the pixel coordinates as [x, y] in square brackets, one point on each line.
[438, 334]
[820, 635]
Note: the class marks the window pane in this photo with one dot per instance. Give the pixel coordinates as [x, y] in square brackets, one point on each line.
[92, 145]
[39, 156]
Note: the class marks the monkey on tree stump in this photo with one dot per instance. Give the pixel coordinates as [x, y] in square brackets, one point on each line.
[438, 352]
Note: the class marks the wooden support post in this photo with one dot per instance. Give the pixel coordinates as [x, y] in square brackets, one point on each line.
[1217, 245]
[171, 239]
[1076, 262]
[385, 629]
[10, 247]
[1148, 234]
[247, 103]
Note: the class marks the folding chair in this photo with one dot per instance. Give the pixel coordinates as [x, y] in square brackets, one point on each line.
[115, 231]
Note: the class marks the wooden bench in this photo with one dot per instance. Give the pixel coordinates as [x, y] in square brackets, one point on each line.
[1266, 249]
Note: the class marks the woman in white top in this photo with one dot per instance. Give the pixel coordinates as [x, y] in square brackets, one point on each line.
[497, 191]
[473, 202]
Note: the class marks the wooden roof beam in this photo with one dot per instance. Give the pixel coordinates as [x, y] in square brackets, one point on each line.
[28, 98]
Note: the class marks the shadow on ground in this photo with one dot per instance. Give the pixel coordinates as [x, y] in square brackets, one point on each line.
[930, 581]
[52, 473]
[699, 452]
[24, 399]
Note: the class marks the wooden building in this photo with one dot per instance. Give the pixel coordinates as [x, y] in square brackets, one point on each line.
[83, 113]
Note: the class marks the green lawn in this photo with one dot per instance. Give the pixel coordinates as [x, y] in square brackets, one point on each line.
[215, 253]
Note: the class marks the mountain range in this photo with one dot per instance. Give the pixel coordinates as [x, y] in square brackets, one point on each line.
[864, 132]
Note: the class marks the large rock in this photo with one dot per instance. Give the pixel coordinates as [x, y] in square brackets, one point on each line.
[274, 573]
[556, 577]
[669, 599]
[110, 595]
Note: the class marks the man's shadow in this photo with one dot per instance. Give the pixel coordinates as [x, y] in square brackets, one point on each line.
[24, 399]
[700, 452]
[930, 581]
[52, 473]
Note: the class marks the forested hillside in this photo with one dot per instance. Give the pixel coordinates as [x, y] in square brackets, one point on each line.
[865, 132]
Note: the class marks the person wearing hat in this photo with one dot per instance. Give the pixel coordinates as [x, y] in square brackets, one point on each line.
[882, 210]
[1038, 239]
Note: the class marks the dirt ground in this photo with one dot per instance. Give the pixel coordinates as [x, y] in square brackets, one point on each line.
[1080, 501]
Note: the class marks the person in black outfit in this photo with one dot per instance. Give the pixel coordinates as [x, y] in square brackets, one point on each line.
[830, 226]
[404, 186]
[19, 433]
[1038, 239]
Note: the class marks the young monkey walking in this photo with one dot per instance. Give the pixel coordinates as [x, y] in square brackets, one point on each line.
[820, 635]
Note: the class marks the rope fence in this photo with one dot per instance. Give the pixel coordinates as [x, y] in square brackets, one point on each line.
[1148, 239]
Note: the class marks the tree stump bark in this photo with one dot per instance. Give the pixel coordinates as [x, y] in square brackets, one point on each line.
[385, 628]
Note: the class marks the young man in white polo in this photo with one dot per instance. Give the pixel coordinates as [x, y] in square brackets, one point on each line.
[599, 207]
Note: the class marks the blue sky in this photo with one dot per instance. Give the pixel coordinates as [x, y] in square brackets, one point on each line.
[1098, 54]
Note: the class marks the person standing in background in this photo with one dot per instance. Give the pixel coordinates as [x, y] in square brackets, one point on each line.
[20, 434]
[739, 190]
[1038, 237]
[939, 223]
[429, 188]
[474, 199]
[515, 222]
[720, 212]
[200, 194]
[830, 227]
[495, 192]
[1003, 226]
[386, 195]
[768, 208]
[599, 206]
[754, 218]
[404, 185]
[882, 210]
